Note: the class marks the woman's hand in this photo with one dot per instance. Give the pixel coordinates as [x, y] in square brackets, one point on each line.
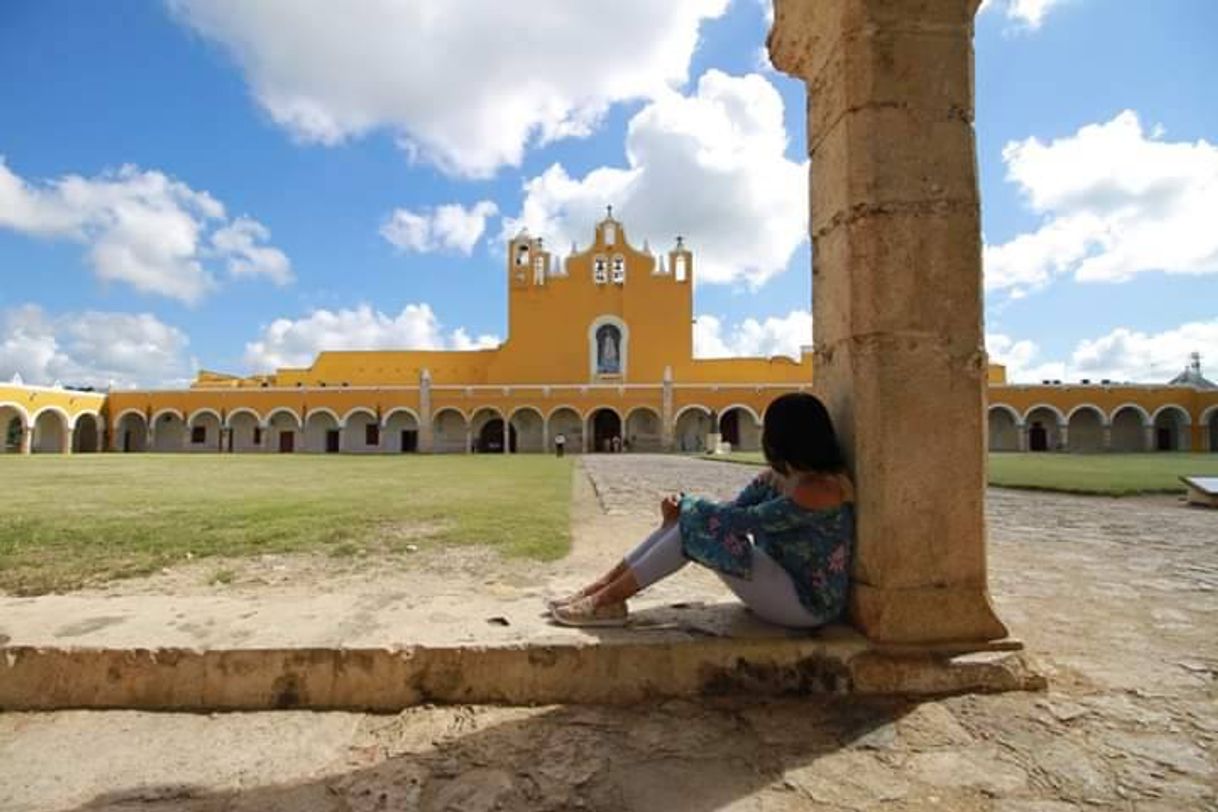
[670, 508]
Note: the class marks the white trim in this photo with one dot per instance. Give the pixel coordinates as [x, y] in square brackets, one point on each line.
[527, 408]
[228, 421]
[190, 421]
[1146, 419]
[389, 415]
[67, 418]
[1089, 407]
[324, 410]
[566, 406]
[687, 408]
[756, 417]
[1009, 409]
[118, 421]
[651, 409]
[1061, 418]
[157, 416]
[96, 415]
[473, 416]
[282, 410]
[437, 412]
[1188, 419]
[358, 410]
[623, 347]
[17, 407]
[1204, 420]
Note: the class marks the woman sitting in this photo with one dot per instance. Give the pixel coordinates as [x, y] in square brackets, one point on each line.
[783, 545]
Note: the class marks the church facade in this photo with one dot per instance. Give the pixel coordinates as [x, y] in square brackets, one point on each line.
[599, 353]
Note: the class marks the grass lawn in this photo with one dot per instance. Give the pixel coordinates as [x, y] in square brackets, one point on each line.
[72, 520]
[1107, 474]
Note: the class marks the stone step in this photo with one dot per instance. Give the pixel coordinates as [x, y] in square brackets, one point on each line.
[371, 653]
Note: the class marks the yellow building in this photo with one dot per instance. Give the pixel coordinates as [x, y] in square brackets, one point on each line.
[599, 351]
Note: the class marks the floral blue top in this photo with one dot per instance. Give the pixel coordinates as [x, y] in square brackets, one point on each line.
[813, 545]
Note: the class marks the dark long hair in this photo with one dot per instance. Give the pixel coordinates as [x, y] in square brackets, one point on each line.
[799, 434]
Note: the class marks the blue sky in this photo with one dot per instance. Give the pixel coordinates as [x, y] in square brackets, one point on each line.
[227, 185]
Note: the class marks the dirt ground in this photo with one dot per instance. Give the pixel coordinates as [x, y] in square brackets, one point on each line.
[1116, 599]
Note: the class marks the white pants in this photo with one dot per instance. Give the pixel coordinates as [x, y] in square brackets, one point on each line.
[770, 593]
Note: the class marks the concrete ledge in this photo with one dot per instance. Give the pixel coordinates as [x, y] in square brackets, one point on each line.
[387, 679]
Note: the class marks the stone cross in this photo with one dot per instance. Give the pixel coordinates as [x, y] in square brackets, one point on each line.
[897, 307]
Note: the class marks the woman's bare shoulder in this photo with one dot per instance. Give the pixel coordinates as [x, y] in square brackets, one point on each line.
[822, 491]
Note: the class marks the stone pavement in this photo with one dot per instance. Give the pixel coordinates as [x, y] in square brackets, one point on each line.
[1117, 599]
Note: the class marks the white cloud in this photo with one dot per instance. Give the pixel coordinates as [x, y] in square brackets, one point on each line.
[296, 342]
[465, 84]
[1121, 355]
[775, 336]
[91, 348]
[446, 228]
[1115, 202]
[142, 228]
[709, 166]
[1027, 13]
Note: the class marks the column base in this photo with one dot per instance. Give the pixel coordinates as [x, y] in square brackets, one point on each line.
[925, 615]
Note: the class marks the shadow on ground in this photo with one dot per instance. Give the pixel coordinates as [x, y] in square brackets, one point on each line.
[674, 755]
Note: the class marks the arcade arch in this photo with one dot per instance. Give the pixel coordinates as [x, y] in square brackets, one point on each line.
[131, 432]
[401, 432]
[1129, 425]
[168, 431]
[50, 431]
[450, 431]
[87, 434]
[1085, 429]
[204, 431]
[1043, 424]
[322, 432]
[13, 422]
[1004, 428]
[528, 430]
[282, 428]
[361, 431]
[644, 430]
[244, 431]
[605, 429]
[692, 426]
[740, 428]
[1171, 429]
[566, 421]
[487, 429]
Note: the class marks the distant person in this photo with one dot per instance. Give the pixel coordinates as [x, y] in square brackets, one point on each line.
[560, 444]
[783, 545]
[615, 445]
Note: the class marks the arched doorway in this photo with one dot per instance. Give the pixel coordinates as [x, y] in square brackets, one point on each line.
[361, 433]
[1171, 429]
[131, 433]
[490, 437]
[1213, 426]
[322, 433]
[1128, 429]
[1003, 429]
[50, 429]
[527, 430]
[282, 427]
[643, 431]
[740, 428]
[244, 432]
[1085, 430]
[566, 422]
[86, 439]
[168, 432]
[606, 430]
[401, 434]
[1043, 433]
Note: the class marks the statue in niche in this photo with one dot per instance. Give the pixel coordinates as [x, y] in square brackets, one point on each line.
[608, 350]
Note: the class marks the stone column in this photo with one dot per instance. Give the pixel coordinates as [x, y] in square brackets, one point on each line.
[1148, 439]
[27, 440]
[469, 439]
[426, 435]
[897, 299]
[1204, 440]
[666, 425]
[65, 442]
[1063, 437]
[1022, 430]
